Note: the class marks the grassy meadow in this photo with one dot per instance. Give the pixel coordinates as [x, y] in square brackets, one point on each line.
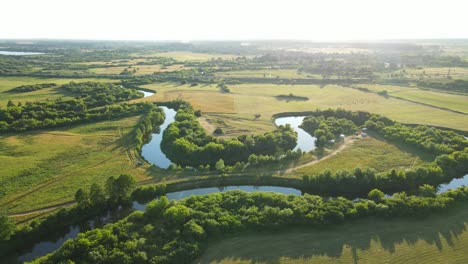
[7, 83]
[438, 99]
[237, 109]
[44, 168]
[368, 152]
[438, 239]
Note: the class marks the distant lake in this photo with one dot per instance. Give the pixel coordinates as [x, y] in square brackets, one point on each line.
[18, 53]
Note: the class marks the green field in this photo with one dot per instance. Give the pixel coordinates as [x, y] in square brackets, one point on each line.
[438, 239]
[49, 166]
[7, 83]
[238, 108]
[438, 99]
[368, 152]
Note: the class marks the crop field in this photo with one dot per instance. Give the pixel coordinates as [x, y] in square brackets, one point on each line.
[7, 83]
[368, 152]
[438, 99]
[438, 239]
[44, 168]
[246, 100]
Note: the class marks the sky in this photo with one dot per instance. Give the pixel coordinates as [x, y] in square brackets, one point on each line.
[233, 20]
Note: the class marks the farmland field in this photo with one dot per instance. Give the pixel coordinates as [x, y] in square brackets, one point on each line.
[245, 100]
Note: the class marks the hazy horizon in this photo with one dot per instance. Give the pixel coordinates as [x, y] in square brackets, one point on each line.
[210, 20]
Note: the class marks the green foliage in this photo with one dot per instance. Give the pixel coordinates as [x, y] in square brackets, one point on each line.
[98, 94]
[376, 195]
[155, 208]
[120, 189]
[33, 87]
[185, 142]
[7, 228]
[189, 223]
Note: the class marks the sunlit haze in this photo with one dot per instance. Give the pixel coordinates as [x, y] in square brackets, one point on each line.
[241, 19]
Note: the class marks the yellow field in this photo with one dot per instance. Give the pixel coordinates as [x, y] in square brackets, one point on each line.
[438, 239]
[245, 100]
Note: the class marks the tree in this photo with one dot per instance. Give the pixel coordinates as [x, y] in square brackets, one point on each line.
[96, 194]
[121, 188]
[427, 190]
[376, 195]
[155, 208]
[81, 198]
[7, 228]
[10, 103]
[220, 165]
[177, 214]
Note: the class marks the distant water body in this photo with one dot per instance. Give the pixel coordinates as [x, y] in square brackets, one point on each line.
[18, 53]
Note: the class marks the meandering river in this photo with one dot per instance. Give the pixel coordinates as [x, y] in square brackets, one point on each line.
[305, 141]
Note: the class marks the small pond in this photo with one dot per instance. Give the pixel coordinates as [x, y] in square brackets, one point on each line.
[453, 184]
[145, 93]
[305, 141]
[18, 53]
[152, 150]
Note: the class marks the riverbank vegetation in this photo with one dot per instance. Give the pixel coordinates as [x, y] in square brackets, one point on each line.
[177, 232]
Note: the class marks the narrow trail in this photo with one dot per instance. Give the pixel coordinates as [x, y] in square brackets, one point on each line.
[43, 210]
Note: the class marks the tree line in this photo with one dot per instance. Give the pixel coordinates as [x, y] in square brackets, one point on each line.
[94, 101]
[178, 232]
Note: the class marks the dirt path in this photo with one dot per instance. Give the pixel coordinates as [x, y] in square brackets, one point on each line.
[43, 210]
[348, 141]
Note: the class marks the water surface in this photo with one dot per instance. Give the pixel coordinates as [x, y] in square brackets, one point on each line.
[145, 93]
[152, 150]
[18, 53]
[453, 184]
[305, 141]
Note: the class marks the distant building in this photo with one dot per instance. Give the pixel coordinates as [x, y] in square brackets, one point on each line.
[364, 129]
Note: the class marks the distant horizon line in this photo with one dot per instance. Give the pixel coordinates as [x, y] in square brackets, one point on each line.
[377, 40]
